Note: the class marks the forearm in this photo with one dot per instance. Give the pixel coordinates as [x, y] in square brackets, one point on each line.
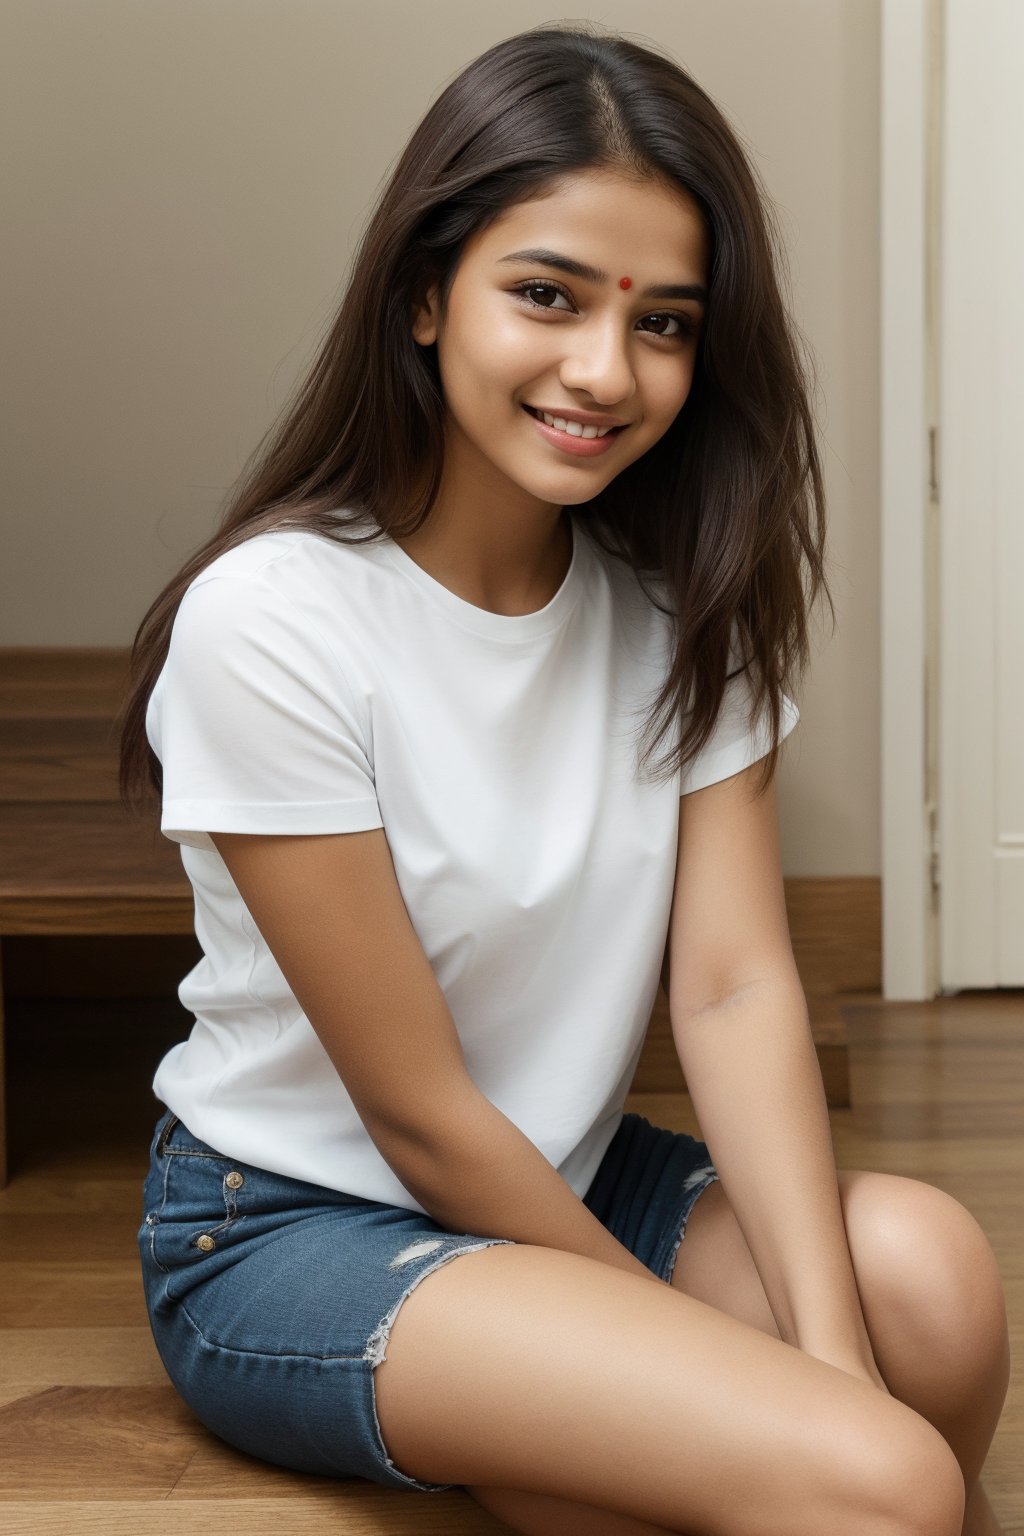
[480, 1173]
[756, 1087]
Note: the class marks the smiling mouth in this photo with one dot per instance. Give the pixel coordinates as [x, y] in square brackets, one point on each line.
[573, 428]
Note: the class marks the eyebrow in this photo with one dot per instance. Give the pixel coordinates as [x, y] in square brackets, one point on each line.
[594, 275]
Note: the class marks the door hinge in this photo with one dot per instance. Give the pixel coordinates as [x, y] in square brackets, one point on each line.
[934, 849]
[933, 464]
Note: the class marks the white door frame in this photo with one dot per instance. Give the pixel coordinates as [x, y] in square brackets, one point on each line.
[911, 64]
[982, 389]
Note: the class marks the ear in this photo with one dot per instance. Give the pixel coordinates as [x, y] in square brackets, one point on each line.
[425, 319]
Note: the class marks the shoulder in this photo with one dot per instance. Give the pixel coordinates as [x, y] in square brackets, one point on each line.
[283, 559]
[283, 577]
[268, 623]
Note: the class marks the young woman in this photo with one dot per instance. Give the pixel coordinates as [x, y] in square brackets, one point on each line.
[550, 483]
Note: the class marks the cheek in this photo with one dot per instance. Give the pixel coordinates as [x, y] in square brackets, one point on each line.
[489, 339]
[483, 369]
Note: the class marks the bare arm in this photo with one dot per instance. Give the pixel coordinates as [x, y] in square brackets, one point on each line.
[742, 1033]
[331, 911]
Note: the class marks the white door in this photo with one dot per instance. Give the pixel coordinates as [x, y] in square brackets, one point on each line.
[980, 736]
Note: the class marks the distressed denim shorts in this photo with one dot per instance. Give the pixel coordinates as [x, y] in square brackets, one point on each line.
[271, 1299]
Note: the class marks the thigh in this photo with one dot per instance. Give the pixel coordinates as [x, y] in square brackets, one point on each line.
[271, 1301]
[523, 1370]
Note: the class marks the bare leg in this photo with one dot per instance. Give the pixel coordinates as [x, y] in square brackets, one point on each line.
[520, 1370]
[931, 1294]
[979, 1516]
[935, 1309]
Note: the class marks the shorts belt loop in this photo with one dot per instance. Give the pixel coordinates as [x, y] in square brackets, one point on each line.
[168, 1128]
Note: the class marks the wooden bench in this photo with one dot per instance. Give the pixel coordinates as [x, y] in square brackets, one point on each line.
[73, 862]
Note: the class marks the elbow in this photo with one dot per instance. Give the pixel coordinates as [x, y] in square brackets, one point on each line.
[769, 984]
[423, 1147]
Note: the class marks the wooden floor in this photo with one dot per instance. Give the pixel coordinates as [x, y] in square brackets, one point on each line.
[95, 1440]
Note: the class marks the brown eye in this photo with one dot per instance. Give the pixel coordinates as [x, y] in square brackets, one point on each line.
[552, 290]
[684, 326]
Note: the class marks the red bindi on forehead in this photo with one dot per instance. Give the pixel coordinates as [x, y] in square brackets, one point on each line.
[625, 282]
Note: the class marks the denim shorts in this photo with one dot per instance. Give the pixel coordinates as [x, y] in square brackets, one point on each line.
[271, 1299]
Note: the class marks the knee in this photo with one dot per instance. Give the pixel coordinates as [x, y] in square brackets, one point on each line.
[935, 1490]
[918, 1483]
[917, 1250]
[934, 1495]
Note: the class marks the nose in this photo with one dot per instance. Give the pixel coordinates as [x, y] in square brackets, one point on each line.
[598, 363]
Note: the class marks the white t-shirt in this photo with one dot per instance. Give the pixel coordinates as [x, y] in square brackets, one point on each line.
[312, 687]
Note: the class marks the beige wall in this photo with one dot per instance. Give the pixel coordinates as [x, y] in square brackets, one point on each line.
[187, 185]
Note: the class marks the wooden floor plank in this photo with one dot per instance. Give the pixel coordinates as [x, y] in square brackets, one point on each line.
[135, 1440]
[368, 1511]
[50, 1293]
[91, 1237]
[34, 1359]
[62, 1189]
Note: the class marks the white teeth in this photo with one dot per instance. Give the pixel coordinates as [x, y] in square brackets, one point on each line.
[574, 428]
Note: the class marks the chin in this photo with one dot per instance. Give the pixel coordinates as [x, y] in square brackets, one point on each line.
[575, 477]
[585, 493]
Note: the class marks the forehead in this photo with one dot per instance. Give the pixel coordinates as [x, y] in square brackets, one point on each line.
[640, 227]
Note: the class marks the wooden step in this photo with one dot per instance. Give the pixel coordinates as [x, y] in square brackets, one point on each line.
[75, 863]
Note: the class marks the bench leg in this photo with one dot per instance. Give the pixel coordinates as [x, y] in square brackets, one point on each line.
[3, 1087]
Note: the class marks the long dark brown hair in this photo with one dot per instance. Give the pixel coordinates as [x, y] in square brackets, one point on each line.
[726, 511]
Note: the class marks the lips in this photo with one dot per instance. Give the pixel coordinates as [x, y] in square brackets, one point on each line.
[570, 443]
[583, 418]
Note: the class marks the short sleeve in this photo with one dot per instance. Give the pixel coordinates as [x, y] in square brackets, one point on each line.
[733, 745]
[254, 722]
